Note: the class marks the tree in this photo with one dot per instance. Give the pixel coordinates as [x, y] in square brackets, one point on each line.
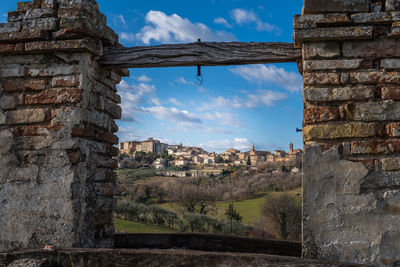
[248, 162]
[232, 215]
[121, 208]
[285, 212]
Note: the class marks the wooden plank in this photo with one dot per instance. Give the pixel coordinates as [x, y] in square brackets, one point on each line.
[205, 54]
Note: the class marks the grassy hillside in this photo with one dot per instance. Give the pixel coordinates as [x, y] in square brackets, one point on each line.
[249, 209]
[134, 227]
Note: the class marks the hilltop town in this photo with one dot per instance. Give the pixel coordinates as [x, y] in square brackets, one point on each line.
[166, 155]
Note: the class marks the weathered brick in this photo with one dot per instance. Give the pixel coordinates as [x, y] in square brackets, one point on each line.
[39, 13]
[26, 116]
[391, 92]
[392, 5]
[379, 48]
[390, 64]
[11, 48]
[103, 175]
[316, 78]
[108, 137]
[53, 70]
[310, 65]
[346, 93]
[376, 17]
[83, 130]
[375, 111]
[36, 130]
[10, 27]
[312, 21]
[12, 86]
[338, 131]
[393, 129]
[375, 147]
[12, 72]
[333, 34]
[329, 6]
[391, 164]
[14, 16]
[66, 45]
[24, 6]
[374, 77]
[105, 189]
[103, 219]
[17, 37]
[8, 102]
[47, 24]
[320, 114]
[66, 81]
[55, 96]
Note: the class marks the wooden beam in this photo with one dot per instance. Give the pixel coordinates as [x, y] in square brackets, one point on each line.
[205, 54]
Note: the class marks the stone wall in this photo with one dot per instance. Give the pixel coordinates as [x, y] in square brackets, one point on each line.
[351, 74]
[57, 111]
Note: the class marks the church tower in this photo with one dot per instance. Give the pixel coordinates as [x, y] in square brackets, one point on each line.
[291, 148]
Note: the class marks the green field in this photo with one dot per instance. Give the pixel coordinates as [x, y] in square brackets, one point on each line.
[134, 227]
[249, 209]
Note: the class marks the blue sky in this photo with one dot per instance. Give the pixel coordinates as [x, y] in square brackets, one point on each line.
[236, 106]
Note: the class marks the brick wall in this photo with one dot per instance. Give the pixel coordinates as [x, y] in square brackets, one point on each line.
[351, 75]
[57, 111]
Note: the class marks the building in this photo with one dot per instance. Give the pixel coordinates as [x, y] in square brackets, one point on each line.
[151, 146]
[127, 147]
[181, 162]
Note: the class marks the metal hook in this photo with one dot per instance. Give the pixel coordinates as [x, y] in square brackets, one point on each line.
[199, 76]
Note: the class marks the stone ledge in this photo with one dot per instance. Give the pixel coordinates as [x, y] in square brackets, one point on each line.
[333, 6]
[143, 257]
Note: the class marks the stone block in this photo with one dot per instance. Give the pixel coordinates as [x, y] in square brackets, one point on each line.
[66, 81]
[334, 34]
[392, 5]
[321, 50]
[376, 17]
[375, 111]
[24, 6]
[55, 96]
[332, 6]
[345, 64]
[10, 27]
[108, 138]
[13, 86]
[8, 102]
[333, 94]
[390, 64]
[312, 21]
[12, 72]
[15, 16]
[39, 13]
[320, 114]
[375, 147]
[390, 92]
[26, 116]
[53, 70]
[3, 118]
[66, 45]
[379, 48]
[6, 141]
[339, 131]
[374, 77]
[391, 164]
[22, 36]
[46, 24]
[393, 129]
[320, 78]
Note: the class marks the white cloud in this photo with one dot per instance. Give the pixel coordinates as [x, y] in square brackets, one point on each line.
[290, 81]
[242, 16]
[250, 101]
[173, 114]
[223, 22]
[172, 29]
[224, 118]
[144, 79]
[127, 36]
[242, 144]
[132, 96]
[121, 19]
[174, 101]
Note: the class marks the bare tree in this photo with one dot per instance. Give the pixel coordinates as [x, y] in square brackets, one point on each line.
[285, 212]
